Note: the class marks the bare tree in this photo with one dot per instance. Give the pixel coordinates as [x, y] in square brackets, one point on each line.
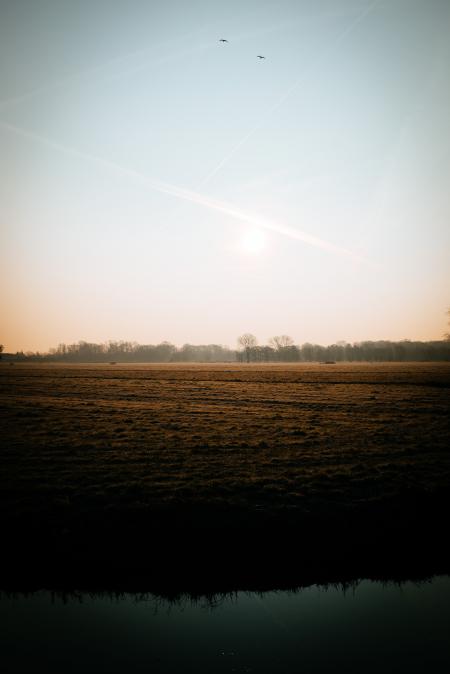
[248, 342]
[447, 334]
[281, 342]
[1, 350]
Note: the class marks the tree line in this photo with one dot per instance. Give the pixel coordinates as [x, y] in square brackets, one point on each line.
[129, 352]
[283, 349]
[278, 349]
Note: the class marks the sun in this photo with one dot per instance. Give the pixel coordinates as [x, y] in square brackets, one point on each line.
[253, 241]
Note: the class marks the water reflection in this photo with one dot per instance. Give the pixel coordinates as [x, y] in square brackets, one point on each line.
[368, 628]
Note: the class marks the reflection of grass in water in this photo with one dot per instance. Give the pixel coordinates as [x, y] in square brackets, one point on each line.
[181, 600]
[211, 600]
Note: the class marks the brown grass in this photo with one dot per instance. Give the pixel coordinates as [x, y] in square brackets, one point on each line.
[255, 436]
[253, 473]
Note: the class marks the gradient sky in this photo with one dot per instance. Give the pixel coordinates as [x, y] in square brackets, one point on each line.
[158, 184]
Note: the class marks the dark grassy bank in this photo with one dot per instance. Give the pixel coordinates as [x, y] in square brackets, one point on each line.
[185, 550]
[217, 478]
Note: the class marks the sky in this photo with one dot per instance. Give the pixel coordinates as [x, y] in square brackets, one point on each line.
[158, 184]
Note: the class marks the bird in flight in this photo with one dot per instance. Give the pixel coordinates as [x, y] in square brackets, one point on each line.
[223, 40]
[260, 57]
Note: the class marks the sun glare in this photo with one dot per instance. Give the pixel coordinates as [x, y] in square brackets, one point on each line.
[253, 241]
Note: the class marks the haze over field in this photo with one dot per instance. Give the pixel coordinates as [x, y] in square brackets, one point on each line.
[156, 183]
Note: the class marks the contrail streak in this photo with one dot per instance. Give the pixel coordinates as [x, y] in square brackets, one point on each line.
[164, 59]
[95, 70]
[288, 93]
[190, 196]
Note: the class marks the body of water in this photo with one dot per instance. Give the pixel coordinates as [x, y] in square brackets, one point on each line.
[371, 627]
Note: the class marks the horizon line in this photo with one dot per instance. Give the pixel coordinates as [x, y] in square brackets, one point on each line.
[338, 343]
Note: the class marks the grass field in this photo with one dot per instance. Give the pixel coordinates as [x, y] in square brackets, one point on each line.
[94, 453]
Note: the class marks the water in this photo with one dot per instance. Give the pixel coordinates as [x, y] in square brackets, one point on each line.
[371, 628]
